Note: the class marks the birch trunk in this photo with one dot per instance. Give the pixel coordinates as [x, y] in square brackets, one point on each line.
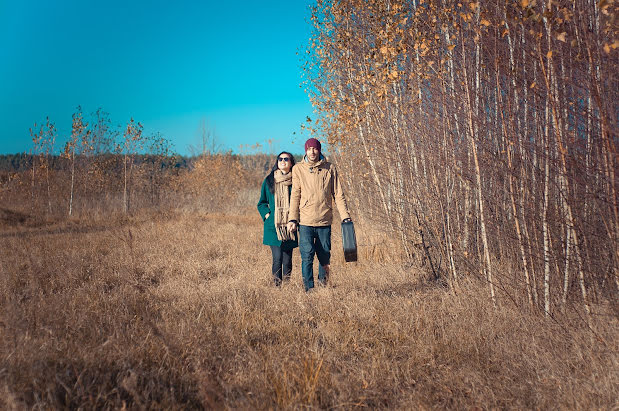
[125, 208]
[72, 181]
[480, 203]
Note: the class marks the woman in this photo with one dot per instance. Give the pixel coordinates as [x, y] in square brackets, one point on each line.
[273, 208]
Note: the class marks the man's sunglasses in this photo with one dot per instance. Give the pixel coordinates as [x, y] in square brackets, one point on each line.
[286, 159]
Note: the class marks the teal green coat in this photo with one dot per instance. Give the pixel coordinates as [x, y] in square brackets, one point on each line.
[266, 205]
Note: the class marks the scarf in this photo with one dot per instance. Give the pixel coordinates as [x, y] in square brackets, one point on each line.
[313, 164]
[282, 204]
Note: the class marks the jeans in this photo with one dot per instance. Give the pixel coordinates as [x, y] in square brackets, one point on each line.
[282, 264]
[314, 240]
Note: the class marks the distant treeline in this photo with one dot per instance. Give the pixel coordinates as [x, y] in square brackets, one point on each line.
[53, 186]
[23, 161]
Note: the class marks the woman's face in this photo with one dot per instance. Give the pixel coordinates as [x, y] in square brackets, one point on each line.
[284, 162]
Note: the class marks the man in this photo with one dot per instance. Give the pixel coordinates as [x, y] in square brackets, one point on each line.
[315, 184]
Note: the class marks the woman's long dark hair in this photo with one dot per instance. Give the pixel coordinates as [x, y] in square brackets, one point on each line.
[271, 177]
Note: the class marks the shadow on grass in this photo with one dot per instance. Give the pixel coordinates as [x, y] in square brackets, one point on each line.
[17, 224]
[58, 230]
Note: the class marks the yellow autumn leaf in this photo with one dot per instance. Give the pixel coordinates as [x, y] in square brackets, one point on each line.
[549, 54]
[485, 22]
[532, 85]
[607, 48]
[473, 5]
[524, 3]
[451, 47]
[562, 37]
[615, 44]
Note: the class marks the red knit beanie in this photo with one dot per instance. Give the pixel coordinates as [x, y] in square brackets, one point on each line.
[312, 142]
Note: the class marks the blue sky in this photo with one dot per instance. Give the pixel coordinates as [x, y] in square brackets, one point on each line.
[168, 64]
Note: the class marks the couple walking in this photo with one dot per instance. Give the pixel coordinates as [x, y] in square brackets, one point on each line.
[296, 202]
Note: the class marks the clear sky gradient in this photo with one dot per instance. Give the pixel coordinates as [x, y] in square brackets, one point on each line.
[167, 64]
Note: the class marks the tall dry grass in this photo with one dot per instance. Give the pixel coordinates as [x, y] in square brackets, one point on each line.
[178, 311]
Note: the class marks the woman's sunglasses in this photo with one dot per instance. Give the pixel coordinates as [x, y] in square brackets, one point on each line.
[286, 159]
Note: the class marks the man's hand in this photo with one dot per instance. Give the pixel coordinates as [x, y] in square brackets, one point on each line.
[347, 220]
[292, 226]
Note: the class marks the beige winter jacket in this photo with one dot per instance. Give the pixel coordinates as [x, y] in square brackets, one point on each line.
[314, 188]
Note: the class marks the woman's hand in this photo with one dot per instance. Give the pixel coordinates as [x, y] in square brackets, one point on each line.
[292, 226]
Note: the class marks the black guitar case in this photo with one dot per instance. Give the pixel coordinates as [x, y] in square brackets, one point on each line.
[349, 241]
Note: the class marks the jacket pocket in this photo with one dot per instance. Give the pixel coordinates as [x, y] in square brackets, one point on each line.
[307, 202]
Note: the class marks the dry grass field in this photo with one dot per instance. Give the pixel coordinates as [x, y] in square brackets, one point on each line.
[178, 311]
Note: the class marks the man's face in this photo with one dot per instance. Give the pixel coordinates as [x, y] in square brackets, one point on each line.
[312, 154]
